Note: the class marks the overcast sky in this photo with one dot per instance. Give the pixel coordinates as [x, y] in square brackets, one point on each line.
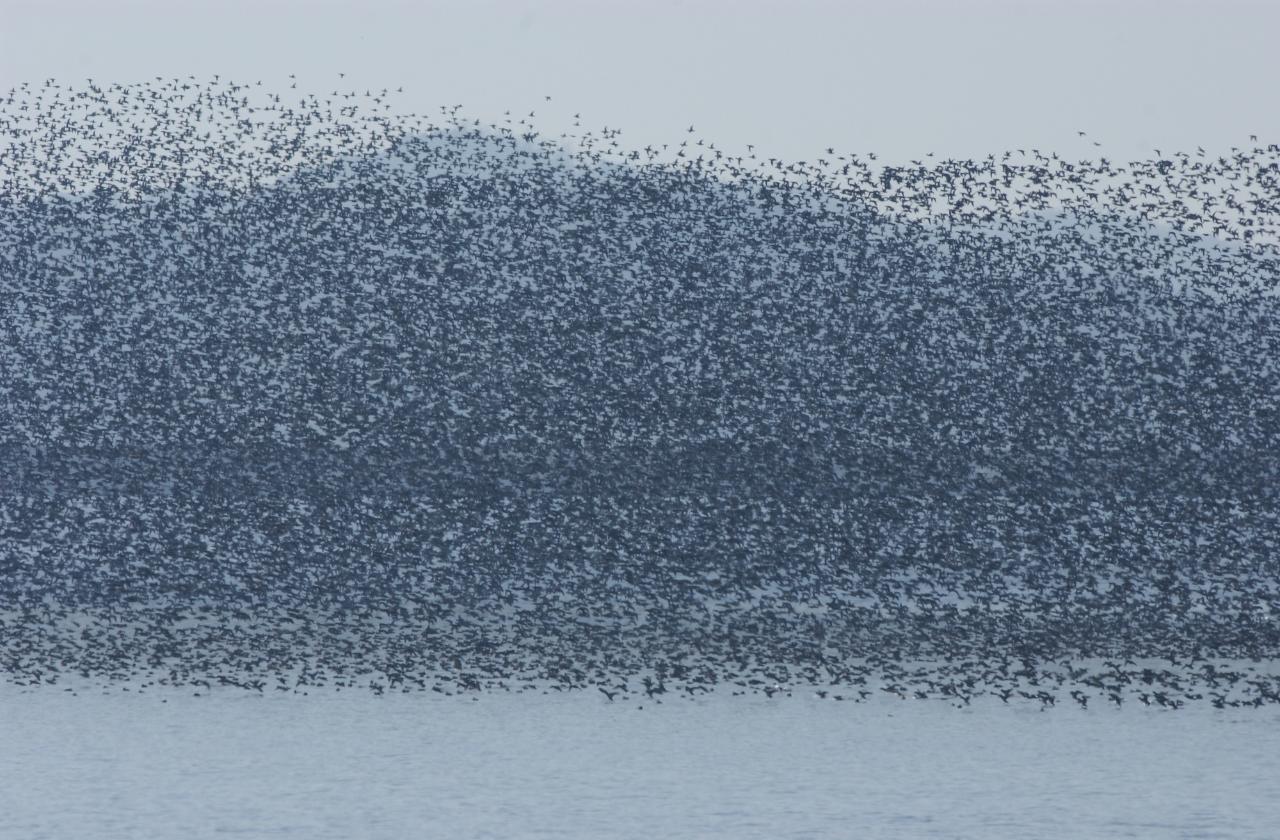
[898, 78]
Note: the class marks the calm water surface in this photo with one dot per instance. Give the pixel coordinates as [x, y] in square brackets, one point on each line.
[351, 765]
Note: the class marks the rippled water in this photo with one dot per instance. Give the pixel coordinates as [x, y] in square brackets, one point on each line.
[352, 765]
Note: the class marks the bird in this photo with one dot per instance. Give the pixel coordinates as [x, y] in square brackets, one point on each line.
[304, 390]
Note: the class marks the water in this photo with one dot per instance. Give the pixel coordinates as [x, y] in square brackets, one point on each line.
[353, 765]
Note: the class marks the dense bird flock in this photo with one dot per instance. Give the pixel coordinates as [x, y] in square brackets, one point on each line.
[298, 391]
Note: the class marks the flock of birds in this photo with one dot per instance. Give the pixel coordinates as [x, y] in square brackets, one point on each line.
[297, 391]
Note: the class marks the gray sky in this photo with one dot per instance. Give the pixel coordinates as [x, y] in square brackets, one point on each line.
[897, 78]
